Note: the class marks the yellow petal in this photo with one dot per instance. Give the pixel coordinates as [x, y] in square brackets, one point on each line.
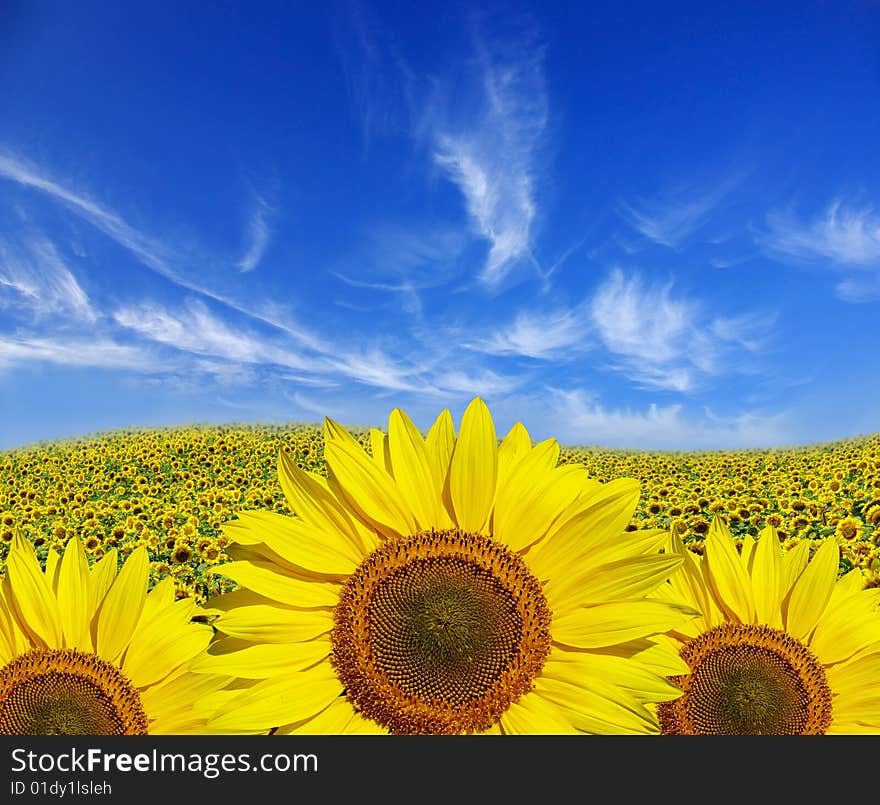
[53, 566]
[617, 622]
[413, 471]
[381, 450]
[516, 444]
[297, 545]
[626, 578]
[164, 644]
[601, 706]
[535, 715]
[101, 578]
[473, 470]
[284, 700]
[440, 442]
[262, 661]
[167, 701]
[746, 555]
[33, 599]
[729, 580]
[368, 488]
[689, 585]
[767, 578]
[793, 564]
[272, 624]
[599, 521]
[122, 606]
[844, 630]
[533, 497]
[332, 720]
[811, 591]
[263, 579]
[317, 506]
[73, 596]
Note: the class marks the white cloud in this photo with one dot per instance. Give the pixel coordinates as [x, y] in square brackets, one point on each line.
[641, 323]
[490, 150]
[258, 237]
[672, 220]
[197, 331]
[846, 236]
[581, 420]
[93, 352]
[548, 336]
[483, 383]
[859, 289]
[42, 282]
[666, 341]
[149, 252]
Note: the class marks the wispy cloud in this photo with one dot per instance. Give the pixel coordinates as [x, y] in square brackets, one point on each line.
[859, 289]
[673, 218]
[376, 76]
[552, 335]
[257, 237]
[582, 420]
[196, 330]
[489, 146]
[847, 236]
[41, 281]
[82, 351]
[149, 252]
[666, 341]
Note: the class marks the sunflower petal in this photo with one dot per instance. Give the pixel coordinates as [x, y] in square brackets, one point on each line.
[122, 606]
[617, 622]
[264, 580]
[368, 488]
[767, 578]
[812, 590]
[535, 715]
[599, 521]
[624, 578]
[318, 507]
[728, 578]
[844, 630]
[263, 623]
[513, 447]
[413, 471]
[473, 469]
[263, 660]
[73, 596]
[164, 644]
[533, 497]
[440, 442]
[282, 700]
[302, 547]
[34, 601]
[380, 450]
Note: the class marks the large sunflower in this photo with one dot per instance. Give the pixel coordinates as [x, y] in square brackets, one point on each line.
[445, 585]
[782, 645]
[87, 651]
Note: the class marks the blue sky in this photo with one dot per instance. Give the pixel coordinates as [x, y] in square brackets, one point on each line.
[617, 226]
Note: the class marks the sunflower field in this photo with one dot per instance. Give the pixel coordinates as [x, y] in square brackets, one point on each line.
[170, 490]
[248, 579]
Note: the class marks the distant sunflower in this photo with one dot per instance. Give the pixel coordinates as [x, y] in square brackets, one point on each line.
[446, 585]
[782, 647]
[84, 651]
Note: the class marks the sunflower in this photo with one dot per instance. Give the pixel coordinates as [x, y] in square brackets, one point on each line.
[87, 651]
[782, 646]
[445, 585]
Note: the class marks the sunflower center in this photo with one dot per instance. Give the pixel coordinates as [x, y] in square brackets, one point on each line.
[439, 633]
[748, 680]
[67, 692]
